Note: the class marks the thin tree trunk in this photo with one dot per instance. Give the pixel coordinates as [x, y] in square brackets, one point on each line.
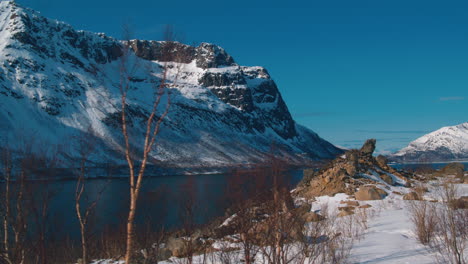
[7, 214]
[6, 219]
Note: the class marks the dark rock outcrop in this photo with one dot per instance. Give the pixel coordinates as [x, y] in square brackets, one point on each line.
[368, 148]
[206, 55]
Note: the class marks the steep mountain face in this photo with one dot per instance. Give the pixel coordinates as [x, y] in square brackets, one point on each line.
[446, 144]
[57, 83]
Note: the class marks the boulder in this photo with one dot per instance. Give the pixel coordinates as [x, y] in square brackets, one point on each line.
[329, 183]
[366, 193]
[381, 192]
[412, 196]
[351, 164]
[382, 161]
[387, 179]
[368, 148]
[365, 206]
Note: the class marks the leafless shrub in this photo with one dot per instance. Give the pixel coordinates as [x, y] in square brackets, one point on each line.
[451, 238]
[227, 253]
[342, 233]
[84, 205]
[110, 244]
[13, 211]
[423, 215]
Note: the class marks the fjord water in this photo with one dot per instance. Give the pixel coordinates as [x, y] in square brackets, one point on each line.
[435, 165]
[161, 201]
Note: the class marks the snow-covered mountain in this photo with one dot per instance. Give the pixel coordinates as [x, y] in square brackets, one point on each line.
[57, 83]
[446, 144]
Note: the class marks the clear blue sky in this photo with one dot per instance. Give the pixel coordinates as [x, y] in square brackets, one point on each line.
[349, 70]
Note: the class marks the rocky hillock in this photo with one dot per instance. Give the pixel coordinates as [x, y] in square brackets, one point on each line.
[347, 173]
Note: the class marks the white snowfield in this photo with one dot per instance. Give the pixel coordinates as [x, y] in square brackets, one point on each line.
[451, 139]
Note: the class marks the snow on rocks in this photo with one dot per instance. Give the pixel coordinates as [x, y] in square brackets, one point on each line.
[349, 174]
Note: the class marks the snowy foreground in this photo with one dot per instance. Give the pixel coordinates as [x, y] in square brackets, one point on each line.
[387, 238]
[390, 239]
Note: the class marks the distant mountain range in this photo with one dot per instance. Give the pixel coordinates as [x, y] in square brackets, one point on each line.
[56, 83]
[446, 144]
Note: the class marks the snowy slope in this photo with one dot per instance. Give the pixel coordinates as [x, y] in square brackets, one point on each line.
[446, 144]
[57, 83]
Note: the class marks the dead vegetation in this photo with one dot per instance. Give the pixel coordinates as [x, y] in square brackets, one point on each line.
[443, 227]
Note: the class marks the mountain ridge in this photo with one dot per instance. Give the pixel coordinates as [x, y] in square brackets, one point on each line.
[448, 143]
[57, 83]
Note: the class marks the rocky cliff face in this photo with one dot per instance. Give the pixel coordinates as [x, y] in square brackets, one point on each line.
[57, 83]
[446, 144]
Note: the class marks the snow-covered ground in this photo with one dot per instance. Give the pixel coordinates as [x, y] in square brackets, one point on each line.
[389, 237]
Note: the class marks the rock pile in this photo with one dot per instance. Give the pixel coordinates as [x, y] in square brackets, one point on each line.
[350, 173]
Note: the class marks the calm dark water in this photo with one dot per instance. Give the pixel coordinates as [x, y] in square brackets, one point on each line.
[417, 165]
[161, 201]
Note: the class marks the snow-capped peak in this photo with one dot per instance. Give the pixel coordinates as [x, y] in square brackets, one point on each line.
[57, 83]
[446, 143]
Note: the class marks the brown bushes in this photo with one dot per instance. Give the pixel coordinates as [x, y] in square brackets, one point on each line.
[424, 217]
[442, 227]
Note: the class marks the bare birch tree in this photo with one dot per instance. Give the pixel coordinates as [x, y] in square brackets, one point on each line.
[137, 163]
[85, 207]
